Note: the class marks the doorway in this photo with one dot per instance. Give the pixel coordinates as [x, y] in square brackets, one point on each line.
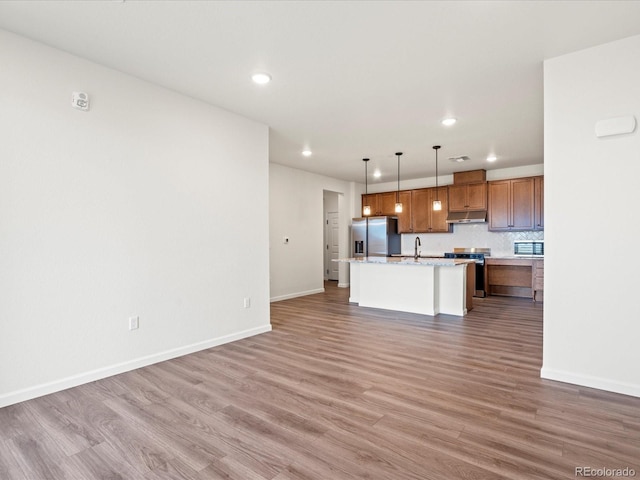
[331, 243]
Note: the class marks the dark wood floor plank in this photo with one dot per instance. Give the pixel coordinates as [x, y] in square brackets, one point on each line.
[334, 391]
[174, 469]
[37, 455]
[229, 468]
[65, 423]
[171, 432]
[10, 465]
[13, 420]
[99, 462]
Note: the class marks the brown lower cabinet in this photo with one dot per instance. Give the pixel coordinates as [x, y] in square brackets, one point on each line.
[538, 277]
[514, 277]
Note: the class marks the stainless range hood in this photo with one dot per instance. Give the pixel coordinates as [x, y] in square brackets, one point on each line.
[478, 216]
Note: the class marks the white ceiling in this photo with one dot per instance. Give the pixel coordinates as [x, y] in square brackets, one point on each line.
[351, 79]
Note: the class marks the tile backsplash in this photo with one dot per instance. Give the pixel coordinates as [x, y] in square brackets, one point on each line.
[467, 236]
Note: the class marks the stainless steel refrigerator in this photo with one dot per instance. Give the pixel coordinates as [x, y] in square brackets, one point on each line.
[383, 237]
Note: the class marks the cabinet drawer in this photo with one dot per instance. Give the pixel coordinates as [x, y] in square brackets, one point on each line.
[511, 275]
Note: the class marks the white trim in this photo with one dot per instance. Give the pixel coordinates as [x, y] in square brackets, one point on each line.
[297, 294]
[80, 379]
[343, 285]
[590, 381]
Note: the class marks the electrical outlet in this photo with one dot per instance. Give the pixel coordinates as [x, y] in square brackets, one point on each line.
[134, 323]
[247, 302]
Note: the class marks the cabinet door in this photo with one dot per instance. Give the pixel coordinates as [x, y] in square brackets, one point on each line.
[477, 196]
[457, 198]
[372, 201]
[538, 209]
[404, 218]
[522, 204]
[463, 198]
[537, 284]
[386, 203]
[421, 210]
[439, 219]
[499, 208]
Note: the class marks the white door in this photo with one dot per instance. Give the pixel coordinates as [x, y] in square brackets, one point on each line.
[332, 245]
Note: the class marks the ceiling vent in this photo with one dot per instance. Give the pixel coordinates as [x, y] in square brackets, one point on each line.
[460, 159]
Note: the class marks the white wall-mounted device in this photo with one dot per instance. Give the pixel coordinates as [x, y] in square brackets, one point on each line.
[80, 100]
[615, 126]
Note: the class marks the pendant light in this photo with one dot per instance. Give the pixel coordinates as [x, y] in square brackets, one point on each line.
[398, 204]
[437, 204]
[366, 209]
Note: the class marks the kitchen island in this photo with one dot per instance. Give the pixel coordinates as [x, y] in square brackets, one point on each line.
[428, 286]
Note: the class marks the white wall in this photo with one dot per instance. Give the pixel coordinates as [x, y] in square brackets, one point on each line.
[151, 204]
[296, 211]
[591, 326]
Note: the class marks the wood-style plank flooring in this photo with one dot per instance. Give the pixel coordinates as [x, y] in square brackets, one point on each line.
[335, 391]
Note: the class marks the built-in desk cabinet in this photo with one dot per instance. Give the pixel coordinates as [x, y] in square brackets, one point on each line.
[514, 277]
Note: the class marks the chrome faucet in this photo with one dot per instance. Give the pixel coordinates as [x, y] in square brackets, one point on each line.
[415, 248]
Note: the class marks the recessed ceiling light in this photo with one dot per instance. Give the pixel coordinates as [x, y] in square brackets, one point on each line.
[447, 122]
[491, 158]
[377, 173]
[261, 78]
[306, 153]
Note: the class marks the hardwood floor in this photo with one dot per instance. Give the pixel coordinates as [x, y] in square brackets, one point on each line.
[335, 391]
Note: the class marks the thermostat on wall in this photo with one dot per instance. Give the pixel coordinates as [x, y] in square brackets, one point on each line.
[80, 100]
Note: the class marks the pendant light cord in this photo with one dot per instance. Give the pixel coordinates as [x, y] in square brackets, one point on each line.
[398, 190]
[436, 147]
[366, 176]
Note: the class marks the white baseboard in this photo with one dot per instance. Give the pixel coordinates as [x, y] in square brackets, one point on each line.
[80, 379]
[590, 381]
[297, 294]
[343, 285]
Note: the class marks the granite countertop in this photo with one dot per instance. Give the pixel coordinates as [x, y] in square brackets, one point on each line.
[422, 261]
[419, 256]
[516, 257]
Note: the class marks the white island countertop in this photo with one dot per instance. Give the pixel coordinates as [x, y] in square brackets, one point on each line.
[424, 261]
[439, 285]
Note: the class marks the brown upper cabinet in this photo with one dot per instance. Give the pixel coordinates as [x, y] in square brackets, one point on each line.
[423, 218]
[381, 203]
[538, 206]
[512, 204]
[405, 220]
[385, 204]
[470, 197]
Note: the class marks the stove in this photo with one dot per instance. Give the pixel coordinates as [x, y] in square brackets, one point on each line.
[478, 255]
